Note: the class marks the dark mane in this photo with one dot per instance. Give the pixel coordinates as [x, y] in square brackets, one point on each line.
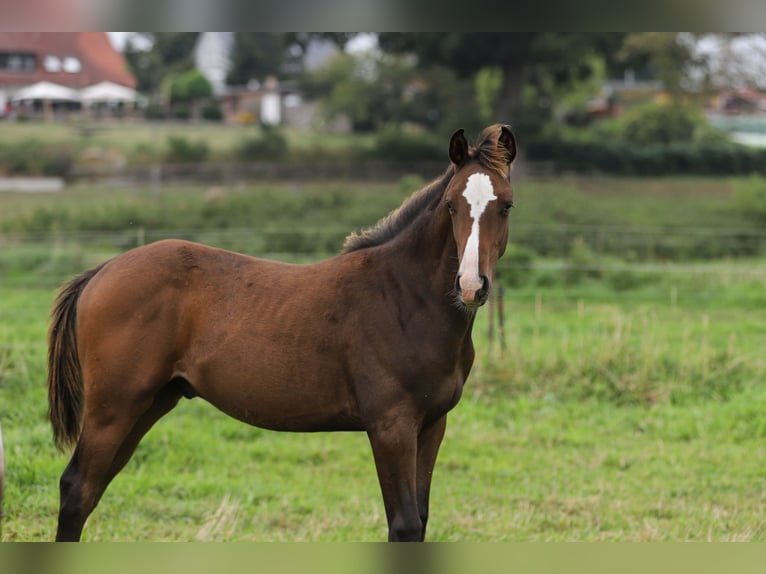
[486, 151]
[390, 226]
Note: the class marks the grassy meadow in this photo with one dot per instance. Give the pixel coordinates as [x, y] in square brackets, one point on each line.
[622, 400]
[115, 143]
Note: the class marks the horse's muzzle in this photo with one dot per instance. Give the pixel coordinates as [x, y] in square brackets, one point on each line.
[473, 297]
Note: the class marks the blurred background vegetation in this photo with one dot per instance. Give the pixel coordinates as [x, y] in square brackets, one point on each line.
[620, 103]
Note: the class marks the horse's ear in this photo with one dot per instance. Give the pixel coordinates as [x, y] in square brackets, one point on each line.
[508, 141]
[458, 148]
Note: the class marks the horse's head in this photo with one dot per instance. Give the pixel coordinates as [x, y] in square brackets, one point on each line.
[479, 198]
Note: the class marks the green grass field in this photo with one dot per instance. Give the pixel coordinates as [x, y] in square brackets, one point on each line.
[137, 140]
[625, 403]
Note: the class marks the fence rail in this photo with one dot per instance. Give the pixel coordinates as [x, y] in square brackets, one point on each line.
[525, 229]
[21, 251]
[646, 244]
[225, 173]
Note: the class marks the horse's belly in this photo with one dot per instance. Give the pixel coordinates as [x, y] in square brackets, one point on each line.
[294, 414]
[288, 400]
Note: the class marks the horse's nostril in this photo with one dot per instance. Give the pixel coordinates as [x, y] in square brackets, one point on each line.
[481, 293]
[470, 296]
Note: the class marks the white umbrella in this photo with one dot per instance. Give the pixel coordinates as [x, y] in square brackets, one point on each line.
[46, 91]
[108, 92]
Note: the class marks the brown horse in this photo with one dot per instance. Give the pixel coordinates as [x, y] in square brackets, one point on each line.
[376, 339]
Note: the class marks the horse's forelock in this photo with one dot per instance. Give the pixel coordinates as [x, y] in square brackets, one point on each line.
[490, 153]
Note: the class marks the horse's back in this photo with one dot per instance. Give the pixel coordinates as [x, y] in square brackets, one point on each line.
[170, 265]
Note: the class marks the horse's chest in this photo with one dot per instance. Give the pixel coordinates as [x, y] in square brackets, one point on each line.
[444, 395]
[441, 383]
[440, 393]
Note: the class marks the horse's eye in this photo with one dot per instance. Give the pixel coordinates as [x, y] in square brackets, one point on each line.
[451, 207]
[507, 208]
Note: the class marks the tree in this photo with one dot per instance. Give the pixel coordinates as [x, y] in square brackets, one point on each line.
[669, 54]
[489, 81]
[189, 87]
[533, 62]
[370, 90]
[374, 90]
[171, 53]
[187, 91]
[255, 55]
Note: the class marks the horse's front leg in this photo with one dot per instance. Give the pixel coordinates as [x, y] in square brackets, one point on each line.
[429, 440]
[394, 445]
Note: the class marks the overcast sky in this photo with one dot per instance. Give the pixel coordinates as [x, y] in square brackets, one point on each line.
[119, 39]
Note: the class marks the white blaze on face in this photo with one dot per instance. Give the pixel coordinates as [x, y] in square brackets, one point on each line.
[478, 192]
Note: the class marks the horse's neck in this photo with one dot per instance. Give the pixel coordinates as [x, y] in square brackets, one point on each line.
[427, 251]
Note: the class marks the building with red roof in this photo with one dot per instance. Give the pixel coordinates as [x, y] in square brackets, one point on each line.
[71, 59]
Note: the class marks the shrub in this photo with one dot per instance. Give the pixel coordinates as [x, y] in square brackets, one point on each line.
[212, 112]
[394, 144]
[270, 144]
[181, 150]
[750, 198]
[143, 153]
[182, 112]
[189, 87]
[31, 157]
[57, 162]
[625, 279]
[154, 112]
[625, 158]
[653, 139]
[660, 123]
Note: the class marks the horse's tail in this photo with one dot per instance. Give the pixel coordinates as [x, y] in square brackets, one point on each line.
[65, 387]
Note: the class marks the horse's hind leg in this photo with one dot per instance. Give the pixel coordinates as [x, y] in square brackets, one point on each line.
[105, 446]
[163, 403]
[85, 477]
